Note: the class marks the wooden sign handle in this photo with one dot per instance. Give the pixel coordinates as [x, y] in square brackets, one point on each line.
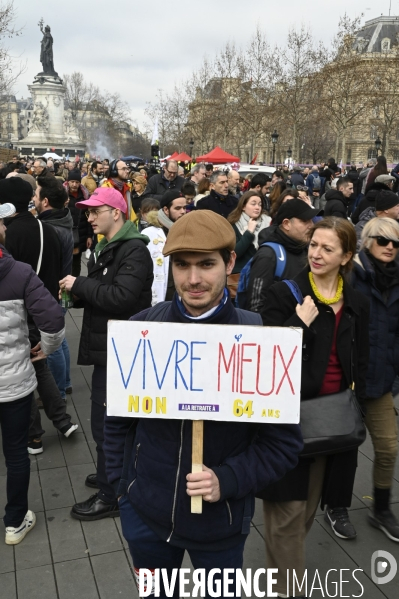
[197, 461]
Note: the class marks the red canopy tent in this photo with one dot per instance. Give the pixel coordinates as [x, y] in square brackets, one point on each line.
[183, 157]
[217, 156]
[173, 156]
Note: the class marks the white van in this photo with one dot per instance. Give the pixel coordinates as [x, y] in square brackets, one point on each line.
[246, 169]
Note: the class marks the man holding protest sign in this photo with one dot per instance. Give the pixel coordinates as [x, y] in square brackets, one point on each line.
[149, 459]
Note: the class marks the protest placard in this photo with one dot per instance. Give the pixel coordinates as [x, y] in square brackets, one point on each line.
[204, 372]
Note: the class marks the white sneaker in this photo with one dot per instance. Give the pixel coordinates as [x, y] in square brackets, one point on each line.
[68, 429]
[16, 535]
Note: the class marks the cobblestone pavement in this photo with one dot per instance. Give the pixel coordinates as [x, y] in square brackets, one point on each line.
[63, 558]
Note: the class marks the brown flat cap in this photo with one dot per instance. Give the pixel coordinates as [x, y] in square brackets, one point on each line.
[200, 231]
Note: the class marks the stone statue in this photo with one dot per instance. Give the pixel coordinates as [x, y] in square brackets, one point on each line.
[69, 126]
[40, 118]
[46, 53]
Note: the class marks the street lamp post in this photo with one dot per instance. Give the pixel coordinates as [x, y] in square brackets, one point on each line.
[191, 144]
[378, 144]
[274, 137]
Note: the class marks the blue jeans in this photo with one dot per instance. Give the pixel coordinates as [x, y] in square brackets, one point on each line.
[14, 422]
[59, 363]
[149, 551]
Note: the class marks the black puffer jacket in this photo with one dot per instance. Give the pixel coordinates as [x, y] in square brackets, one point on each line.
[222, 205]
[263, 266]
[23, 243]
[62, 222]
[336, 204]
[384, 325]
[118, 285]
[157, 186]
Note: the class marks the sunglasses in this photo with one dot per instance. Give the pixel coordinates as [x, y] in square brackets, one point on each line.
[302, 188]
[384, 241]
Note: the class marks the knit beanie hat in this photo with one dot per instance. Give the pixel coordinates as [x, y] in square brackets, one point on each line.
[169, 196]
[74, 175]
[16, 191]
[384, 200]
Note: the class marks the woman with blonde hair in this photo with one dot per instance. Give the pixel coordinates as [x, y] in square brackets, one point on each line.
[334, 318]
[376, 275]
[139, 184]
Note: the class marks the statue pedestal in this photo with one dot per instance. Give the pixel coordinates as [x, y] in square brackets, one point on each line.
[48, 127]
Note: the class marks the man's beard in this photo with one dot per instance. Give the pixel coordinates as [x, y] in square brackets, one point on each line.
[205, 303]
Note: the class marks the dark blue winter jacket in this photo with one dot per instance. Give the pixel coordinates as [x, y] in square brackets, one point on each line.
[245, 457]
[384, 328]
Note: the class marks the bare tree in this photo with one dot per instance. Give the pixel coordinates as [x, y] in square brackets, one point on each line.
[384, 97]
[201, 116]
[225, 92]
[178, 114]
[294, 67]
[79, 95]
[9, 70]
[255, 91]
[345, 82]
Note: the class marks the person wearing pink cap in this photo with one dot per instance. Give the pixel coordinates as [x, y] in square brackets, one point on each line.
[119, 281]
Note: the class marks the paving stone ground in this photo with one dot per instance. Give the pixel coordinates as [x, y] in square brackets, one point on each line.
[62, 558]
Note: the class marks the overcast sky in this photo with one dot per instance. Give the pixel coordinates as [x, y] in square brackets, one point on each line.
[136, 48]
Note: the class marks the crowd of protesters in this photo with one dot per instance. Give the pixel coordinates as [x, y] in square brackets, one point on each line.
[174, 248]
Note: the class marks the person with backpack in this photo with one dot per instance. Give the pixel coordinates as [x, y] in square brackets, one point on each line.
[281, 255]
[149, 459]
[315, 185]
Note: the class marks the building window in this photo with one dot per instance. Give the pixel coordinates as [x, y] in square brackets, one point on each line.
[373, 132]
[372, 153]
[264, 157]
[395, 155]
[349, 156]
[385, 44]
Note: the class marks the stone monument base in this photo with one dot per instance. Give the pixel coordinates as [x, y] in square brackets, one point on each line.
[62, 150]
[51, 126]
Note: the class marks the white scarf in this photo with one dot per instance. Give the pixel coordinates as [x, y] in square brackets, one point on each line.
[242, 225]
